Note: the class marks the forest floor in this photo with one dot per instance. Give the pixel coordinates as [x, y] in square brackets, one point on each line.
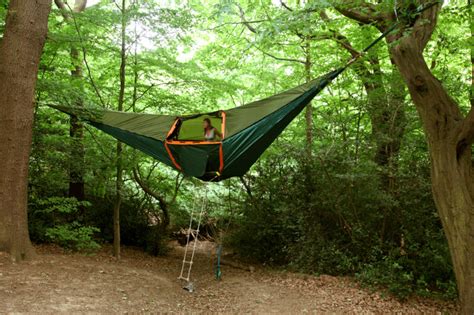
[58, 281]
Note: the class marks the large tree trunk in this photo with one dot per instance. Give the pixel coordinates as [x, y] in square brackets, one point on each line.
[449, 134]
[452, 173]
[20, 52]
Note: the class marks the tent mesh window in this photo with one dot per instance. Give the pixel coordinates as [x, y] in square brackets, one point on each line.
[192, 129]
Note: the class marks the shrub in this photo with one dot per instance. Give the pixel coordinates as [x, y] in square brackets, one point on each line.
[74, 236]
[331, 215]
[56, 220]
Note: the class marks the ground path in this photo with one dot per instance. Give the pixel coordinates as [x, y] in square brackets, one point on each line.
[64, 282]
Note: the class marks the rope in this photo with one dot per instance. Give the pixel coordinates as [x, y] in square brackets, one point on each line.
[195, 234]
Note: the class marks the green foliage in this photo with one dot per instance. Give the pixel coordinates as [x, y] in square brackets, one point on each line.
[74, 236]
[331, 216]
[137, 228]
[330, 213]
[3, 13]
[396, 275]
[54, 220]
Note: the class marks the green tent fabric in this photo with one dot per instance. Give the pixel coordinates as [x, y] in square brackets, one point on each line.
[178, 141]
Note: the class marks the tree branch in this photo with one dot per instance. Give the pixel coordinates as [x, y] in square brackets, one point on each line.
[80, 5]
[338, 37]
[178, 181]
[62, 7]
[161, 201]
[281, 58]
[254, 30]
[236, 23]
[365, 13]
[283, 4]
[276, 57]
[246, 186]
[244, 21]
[84, 53]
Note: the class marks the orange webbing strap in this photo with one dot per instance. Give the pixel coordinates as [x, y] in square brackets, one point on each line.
[171, 156]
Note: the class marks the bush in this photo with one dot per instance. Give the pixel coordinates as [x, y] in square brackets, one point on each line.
[397, 275]
[330, 215]
[74, 236]
[55, 220]
[136, 227]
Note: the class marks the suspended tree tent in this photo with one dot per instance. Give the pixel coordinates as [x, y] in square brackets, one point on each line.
[247, 131]
[178, 141]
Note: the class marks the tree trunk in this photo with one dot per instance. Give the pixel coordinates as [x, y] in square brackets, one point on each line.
[385, 106]
[387, 116]
[449, 134]
[76, 128]
[309, 107]
[20, 52]
[471, 16]
[163, 204]
[118, 200]
[452, 173]
[119, 162]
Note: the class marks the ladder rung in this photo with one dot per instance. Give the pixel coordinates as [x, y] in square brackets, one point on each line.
[194, 233]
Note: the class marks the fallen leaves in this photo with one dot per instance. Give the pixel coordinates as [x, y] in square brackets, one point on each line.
[69, 282]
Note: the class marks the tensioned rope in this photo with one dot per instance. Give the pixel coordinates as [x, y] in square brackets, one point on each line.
[419, 10]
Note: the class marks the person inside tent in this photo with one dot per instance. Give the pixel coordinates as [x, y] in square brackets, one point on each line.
[210, 132]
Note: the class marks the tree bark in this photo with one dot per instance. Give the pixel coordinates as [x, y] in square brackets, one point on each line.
[452, 174]
[118, 199]
[449, 134]
[163, 204]
[76, 128]
[471, 17]
[309, 107]
[119, 162]
[20, 52]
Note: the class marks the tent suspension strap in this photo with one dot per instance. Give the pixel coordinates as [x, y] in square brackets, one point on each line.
[195, 234]
[388, 31]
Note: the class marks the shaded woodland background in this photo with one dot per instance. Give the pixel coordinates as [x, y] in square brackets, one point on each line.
[344, 191]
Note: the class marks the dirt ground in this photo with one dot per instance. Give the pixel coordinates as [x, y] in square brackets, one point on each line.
[74, 283]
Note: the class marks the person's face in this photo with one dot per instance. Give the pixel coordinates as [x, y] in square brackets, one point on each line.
[205, 124]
